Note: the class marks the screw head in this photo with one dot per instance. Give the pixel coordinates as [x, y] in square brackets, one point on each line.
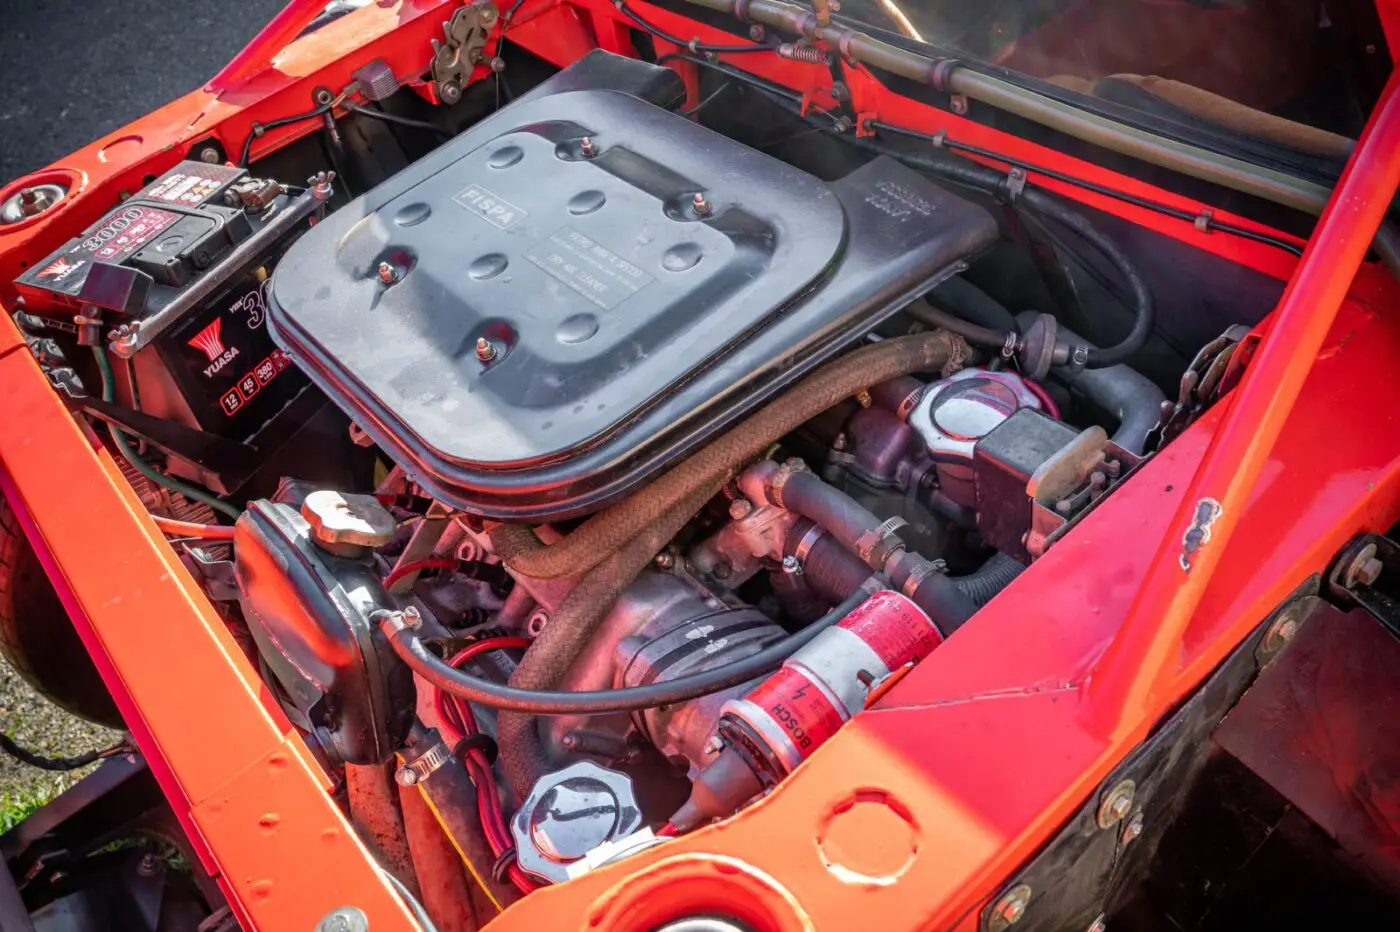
[587, 147]
[209, 155]
[485, 349]
[792, 566]
[714, 745]
[387, 273]
[722, 570]
[1009, 910]
[406, 776]
[757, 33]
[1116, 804]
[665, 560]
[450, 92]
[1281, 632]
[1369, 571]
[740, 508]
[498, 64]
[1132, 828]
[701, 204]
[344, 919]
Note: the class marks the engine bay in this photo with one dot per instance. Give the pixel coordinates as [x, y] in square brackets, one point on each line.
[596, 466]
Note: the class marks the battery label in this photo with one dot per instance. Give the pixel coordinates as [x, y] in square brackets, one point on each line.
[126, 231]
[191, 184]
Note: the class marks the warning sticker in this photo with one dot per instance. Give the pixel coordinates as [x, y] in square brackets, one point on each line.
[601, 276]
[190, 184]
[126, 231]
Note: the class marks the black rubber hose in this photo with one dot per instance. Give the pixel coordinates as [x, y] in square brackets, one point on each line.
[829, 570]
[975, 334]
[604, 533]
[982, 178]
[971, 303]
[995, 575]
[852, 524]
[629, 699]
[833, 572]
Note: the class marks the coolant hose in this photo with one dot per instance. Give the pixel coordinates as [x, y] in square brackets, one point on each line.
[606, 532]
[993, 576]
[833, 572]
[858, 530]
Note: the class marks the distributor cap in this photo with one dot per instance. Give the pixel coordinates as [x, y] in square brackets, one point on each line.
[568, 814]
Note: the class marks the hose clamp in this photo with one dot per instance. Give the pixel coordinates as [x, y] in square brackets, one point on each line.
[419, 769]
[394, 622]
[921, 571]
[808, 541]
[876, 545]
[781, 477]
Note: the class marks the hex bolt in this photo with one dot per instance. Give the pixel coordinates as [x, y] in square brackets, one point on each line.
[1283, 630]
[1009, 910]
[587, 147]
[740, 508]
[722, 570]
[757, 33]
[485, 349]
[209, 155]
[387, 273]
[498, 64]
[1132, 828]
[487, 16]
[406, 776]
[714, 745]
[344, 919]
[665, 560]
[792, 566]
[1116, 804]
[701, 204]
[148, 865]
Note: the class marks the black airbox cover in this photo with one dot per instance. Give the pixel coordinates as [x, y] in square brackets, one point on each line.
[626, 321]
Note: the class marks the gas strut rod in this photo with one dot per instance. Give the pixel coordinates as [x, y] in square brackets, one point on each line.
[1136, 671]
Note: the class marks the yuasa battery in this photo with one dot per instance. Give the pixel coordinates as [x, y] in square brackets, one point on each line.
[184, 230]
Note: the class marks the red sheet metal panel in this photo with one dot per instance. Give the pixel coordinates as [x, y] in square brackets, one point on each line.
[189, 698]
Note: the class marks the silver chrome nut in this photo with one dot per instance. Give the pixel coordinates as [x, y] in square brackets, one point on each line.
[337, 518]
[569, 813]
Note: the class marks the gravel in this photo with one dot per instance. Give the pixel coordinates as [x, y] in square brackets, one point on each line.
[42, 727]
[72, 71]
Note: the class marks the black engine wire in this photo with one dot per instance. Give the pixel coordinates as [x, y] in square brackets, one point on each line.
[694, 45]
[842, 126]
[57, 764]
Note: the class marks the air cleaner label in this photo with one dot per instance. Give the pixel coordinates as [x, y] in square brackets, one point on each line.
[492, 208]
[601, 276]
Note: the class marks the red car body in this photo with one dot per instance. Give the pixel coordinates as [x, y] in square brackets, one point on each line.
[912, 813]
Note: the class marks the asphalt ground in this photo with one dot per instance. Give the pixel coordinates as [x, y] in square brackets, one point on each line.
[73, 70]
[70, 71]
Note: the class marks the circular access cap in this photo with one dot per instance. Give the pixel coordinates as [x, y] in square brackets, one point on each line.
[338, 519]
[970, 409]
[569, 813]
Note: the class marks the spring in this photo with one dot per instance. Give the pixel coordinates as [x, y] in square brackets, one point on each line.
[802, 53]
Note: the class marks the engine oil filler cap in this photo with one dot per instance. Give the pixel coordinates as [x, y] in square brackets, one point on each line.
[569, 813]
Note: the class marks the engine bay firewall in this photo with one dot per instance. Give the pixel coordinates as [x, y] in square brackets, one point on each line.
[552, 306]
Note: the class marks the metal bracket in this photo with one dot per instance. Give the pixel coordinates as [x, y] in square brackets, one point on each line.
[1215, 370]
[464, 48]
